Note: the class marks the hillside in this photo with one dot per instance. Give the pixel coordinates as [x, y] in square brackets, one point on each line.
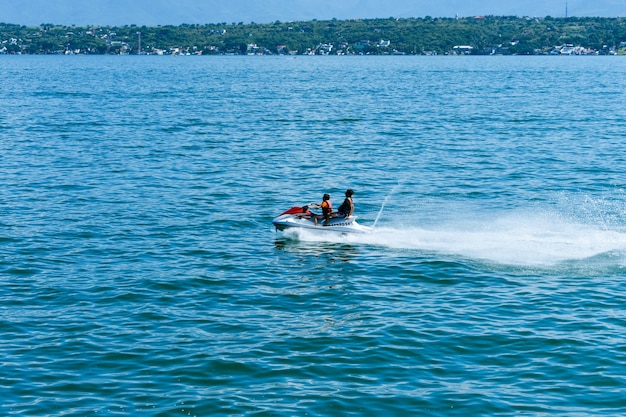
[484, 35]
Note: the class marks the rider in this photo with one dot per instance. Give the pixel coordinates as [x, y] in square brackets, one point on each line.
[327, 210]
[347, 207]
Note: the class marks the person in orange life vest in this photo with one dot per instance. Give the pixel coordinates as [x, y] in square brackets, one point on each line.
[327, 210]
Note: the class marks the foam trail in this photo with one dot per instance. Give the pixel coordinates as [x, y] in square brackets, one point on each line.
[517, 239]
[511, 240]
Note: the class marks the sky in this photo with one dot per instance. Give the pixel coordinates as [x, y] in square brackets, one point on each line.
[176, 12]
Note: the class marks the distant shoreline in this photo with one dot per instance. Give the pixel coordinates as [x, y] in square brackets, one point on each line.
[479, 35]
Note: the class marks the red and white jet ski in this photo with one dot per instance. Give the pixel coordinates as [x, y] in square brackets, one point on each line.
[303, 218]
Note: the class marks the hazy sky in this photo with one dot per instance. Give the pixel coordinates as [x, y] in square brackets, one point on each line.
[175, 12]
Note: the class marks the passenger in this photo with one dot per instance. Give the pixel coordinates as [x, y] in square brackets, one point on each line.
[327, 210]
[347, 207]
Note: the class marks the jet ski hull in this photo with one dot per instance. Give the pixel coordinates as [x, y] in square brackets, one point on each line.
[303, 219]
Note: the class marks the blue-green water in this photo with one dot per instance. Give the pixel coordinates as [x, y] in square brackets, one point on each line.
[140, 274]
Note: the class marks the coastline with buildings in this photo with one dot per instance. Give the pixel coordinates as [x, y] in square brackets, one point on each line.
[478, 35]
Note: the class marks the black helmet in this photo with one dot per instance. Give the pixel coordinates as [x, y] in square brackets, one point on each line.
[326, 197]
[349, 193]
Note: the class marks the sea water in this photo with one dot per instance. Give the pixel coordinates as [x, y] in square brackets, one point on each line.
[140, 273]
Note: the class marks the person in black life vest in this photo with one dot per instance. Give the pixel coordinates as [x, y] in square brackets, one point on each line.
[347, 207]
[327, 210]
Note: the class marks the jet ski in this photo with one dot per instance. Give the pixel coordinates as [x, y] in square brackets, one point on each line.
[301, 217]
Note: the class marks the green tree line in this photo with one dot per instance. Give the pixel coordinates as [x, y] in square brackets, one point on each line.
[476, 35]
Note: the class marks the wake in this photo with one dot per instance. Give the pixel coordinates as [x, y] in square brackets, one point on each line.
[515, 239]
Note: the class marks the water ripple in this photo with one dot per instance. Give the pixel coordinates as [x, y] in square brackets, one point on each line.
[140, 274]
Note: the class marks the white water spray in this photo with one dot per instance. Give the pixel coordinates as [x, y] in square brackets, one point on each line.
[521, 238]
[514, 240]
[387, 197]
